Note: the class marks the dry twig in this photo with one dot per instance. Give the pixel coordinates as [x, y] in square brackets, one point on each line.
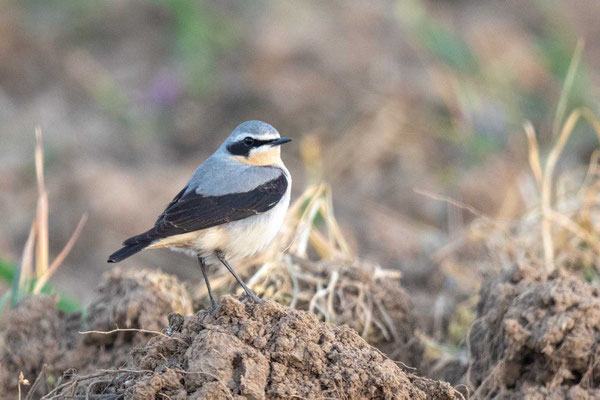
[117, 330]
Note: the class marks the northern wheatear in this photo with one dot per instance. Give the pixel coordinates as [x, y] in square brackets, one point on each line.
[231, 208]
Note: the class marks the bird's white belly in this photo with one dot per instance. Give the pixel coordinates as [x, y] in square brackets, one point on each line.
[239, 239]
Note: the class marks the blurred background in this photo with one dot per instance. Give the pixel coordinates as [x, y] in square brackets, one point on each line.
[384, 100]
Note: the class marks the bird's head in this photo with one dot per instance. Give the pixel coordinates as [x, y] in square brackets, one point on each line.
[255, 143]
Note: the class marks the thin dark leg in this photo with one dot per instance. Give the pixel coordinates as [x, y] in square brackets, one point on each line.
[213, 303]
[249, 292]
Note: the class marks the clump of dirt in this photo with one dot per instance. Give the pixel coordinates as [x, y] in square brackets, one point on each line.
[256, 351]
[131, 299]
[34, 333]
[135, 298]
[394, 332]
[37, 334]
[536, 336]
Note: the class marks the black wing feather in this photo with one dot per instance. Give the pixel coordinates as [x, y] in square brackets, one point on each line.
[193, 211]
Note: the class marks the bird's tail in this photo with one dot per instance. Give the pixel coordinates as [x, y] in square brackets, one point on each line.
[126, 251]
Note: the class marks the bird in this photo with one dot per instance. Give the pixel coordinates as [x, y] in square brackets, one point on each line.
[232, 207]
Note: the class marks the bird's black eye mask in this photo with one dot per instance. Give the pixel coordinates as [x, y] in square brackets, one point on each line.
[243, 147]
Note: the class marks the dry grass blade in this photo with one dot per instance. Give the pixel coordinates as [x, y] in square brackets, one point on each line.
[26, 267]
[305, 222]
[337, 238]
[42, 207]
[42, 280]
[452, 202]
[546, 190]
[592, 174]
[38, 238]
[573, 227]
[534, 153]
[22, 381]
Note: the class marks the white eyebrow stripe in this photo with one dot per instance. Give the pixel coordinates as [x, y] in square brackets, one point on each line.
[264, 136]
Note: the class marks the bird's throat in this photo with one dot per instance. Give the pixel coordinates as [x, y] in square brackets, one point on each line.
[268, 157]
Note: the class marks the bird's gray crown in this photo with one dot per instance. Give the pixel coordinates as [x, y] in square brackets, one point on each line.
[255, 129]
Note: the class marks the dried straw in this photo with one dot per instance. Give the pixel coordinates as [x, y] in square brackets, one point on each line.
[311, 266]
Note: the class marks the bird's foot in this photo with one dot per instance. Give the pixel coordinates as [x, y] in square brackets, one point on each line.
[251, 295]
[213, 307]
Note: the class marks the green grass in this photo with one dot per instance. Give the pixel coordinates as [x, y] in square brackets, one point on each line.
[8, 272]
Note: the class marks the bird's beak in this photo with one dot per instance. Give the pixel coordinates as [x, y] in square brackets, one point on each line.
[280, 141]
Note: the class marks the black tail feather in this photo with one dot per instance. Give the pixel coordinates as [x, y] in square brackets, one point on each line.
[126, 251]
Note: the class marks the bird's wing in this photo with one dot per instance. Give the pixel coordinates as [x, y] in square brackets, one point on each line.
[193, 211]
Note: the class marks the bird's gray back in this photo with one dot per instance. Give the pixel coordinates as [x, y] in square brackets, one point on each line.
[220, 175]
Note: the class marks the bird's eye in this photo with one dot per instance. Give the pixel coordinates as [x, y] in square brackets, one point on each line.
[248, 141]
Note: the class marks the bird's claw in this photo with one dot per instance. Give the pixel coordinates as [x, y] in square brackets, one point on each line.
[252, 296]
[213, 307]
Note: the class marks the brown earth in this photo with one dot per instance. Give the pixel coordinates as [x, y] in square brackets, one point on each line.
[536, 337]
[36, 334]
[133, 298]
[365, 298]
[266, 350]
[404, 345]
[247, 350]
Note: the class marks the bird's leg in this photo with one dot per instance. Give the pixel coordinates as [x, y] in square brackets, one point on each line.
[248, 291]
[213, 303]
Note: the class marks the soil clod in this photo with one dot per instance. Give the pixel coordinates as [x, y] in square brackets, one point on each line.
[37, 334]
[264, 350]
[536, 337]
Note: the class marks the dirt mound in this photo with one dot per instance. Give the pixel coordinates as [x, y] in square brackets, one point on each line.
[259, 351]
[36, 333]
[536, 337]
[131, 299]
[135, 298]
[394, 306]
